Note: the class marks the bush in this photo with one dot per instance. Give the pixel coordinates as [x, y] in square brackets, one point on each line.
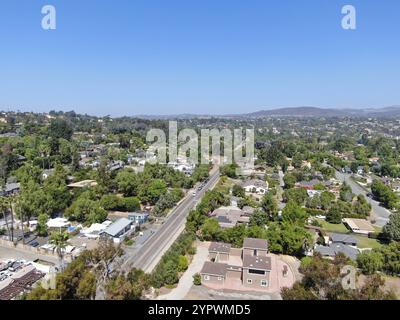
[131, 204]
[197, 279]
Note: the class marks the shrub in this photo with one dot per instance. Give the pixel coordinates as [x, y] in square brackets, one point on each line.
[197, 279]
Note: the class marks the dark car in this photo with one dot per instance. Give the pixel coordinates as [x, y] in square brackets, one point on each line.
[34, 244]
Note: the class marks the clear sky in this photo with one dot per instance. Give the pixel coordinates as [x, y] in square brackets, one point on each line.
[128, 57]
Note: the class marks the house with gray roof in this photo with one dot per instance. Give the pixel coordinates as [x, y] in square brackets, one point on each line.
[118, 230]
[255, 186]
[334, 248]
[344, 239]
[249, 266]
[9, 189]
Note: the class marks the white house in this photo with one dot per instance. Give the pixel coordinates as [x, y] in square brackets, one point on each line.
[255, 186]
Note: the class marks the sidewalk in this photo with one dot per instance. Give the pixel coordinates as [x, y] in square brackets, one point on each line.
[186, 281]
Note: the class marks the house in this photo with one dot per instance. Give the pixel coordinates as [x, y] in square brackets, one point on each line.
[214, 272]
[118, 230]
[94, 231]
[138, 218]
[248, 211]
[10, 189]
[308, 185]
[219, 251]
[256, 271]
[249, 267]
[313, 193]
[58, 223]
[362, 226]
[344, 239]
[334, 248]
[83, 184]
[255, 247]
[255, 186]
[228, 217]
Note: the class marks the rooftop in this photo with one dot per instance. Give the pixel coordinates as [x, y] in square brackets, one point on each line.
[220, 247]
[117, 226]
[215, 269]
[255, 262]
[253, 243]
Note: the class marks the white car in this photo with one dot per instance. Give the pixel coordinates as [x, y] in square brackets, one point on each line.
[194, 194]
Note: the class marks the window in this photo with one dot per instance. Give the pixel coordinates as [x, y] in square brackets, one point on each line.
[254, 271]
[264, 283]
[249, 281]
[206, 277]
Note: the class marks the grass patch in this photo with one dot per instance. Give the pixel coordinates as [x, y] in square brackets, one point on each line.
[365, 242]
[330, 227]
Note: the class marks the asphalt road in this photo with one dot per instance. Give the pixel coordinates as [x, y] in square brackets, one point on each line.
[151, 251]
[379, 213]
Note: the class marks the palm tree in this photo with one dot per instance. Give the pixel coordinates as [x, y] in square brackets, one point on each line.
[59, 240]
[4, 206]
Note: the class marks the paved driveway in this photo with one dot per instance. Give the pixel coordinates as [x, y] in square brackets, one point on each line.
[186, 281]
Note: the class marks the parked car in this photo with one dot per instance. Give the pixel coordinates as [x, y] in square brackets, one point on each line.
[34, 244]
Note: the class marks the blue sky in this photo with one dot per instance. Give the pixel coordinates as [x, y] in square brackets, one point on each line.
[128, 57]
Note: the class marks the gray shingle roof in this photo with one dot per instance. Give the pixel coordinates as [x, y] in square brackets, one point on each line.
[253, 243]
[255, 262]
[343, 238]
[220, 247]
[334, 248]
[215, 269]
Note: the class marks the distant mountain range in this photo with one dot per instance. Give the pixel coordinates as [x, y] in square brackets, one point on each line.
[313, 112]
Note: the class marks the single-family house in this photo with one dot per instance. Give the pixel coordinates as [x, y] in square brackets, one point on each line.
[10, 189]
[255, 186]
[343, 238]
[249, 267]
[138, 218]
[362, 226]
[118, 230]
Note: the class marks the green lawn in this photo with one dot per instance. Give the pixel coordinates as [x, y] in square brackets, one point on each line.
[365, 242]
[330, 227]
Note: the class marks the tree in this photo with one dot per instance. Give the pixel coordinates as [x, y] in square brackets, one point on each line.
[238, 191]
[334, 215]
[346, 193]
[392, 229]
[289, 180]
[270, 206]
[361, 206]
[60, 129]
[298, 195]
[127, 183]
[287, 238]
[152, 191]
[59, 240]
[41, 227]
[210, 230]
[259, 218]
[229, 170]
[294, 213]
[182, 263]
[370, 262]
[86, 210]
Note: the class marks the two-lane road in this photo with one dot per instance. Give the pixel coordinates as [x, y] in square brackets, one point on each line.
[151, 252]
[379, 213]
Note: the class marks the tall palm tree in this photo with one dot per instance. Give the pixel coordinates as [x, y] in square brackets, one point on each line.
[4, 207]
[59, 240]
